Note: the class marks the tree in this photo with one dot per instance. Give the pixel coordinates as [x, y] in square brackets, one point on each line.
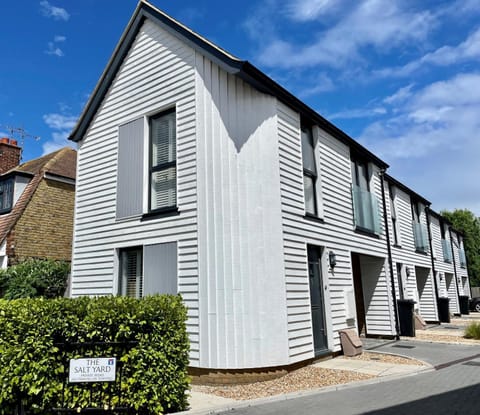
[466, 222]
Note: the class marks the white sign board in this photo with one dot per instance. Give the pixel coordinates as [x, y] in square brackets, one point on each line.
[93, 369]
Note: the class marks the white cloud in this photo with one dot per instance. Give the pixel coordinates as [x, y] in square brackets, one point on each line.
[432, 142]
[357, 113]
[61, 125]
[60, 121]
[321, 83]
[443, 56]
[400, 96]
[54, 50]
[378, 24]
[57, 13]
[59, 140]
[304, 10]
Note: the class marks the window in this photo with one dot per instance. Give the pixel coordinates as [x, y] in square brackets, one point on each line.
[446, 244]
[6, 195]
[148, 270]
[309, 172]
[420, 231]
[163, 162]
[360, 177]
[131, 272]
[393, 214]
[365, 204]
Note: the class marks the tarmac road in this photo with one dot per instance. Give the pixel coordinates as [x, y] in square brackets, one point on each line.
[453, 387]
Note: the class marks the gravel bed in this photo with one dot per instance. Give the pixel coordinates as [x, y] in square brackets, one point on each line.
[443, 338]
[308, 377]
[386, 358]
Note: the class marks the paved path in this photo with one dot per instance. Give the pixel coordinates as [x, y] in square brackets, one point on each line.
[453, 388]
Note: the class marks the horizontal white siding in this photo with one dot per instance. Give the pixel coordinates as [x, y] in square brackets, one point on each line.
[242, 280]
[443, 268]
[406, 255]
[336, 234]
[157, 73]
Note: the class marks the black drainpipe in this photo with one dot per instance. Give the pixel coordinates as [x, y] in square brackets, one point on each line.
[454, 268]
[389, 249]
[427, 211]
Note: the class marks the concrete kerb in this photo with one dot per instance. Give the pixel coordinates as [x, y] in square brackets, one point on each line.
[298, 394]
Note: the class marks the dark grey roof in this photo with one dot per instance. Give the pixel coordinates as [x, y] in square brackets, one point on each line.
[233, 65]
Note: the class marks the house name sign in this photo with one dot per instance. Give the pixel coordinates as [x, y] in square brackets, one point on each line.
[93, 369]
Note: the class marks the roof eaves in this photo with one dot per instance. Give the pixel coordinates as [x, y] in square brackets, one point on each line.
[146, 10]
[264, 83]
[413, 195]
[227, 61]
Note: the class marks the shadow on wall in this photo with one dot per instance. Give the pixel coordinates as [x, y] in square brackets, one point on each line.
[372, 271]
[243, 110]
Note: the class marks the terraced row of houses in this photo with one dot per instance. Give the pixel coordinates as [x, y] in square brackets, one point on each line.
[200, 175]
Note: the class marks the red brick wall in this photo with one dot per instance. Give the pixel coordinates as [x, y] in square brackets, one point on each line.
[9, 154]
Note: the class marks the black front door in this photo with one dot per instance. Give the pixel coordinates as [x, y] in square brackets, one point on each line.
[316, 300]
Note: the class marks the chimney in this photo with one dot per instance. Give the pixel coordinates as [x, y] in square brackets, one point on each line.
[9, 154]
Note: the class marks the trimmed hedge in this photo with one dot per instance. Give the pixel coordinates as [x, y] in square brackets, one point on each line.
[154, 378]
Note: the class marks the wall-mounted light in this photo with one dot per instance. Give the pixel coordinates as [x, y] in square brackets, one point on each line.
[407, 271]
[332, 259]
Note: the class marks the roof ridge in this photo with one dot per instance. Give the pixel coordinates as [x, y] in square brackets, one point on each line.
[53, 160]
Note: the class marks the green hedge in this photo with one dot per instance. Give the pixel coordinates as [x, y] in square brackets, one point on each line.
[34, 278]
[154, 378]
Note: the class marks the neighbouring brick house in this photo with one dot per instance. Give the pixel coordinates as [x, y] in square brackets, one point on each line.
[36, 204]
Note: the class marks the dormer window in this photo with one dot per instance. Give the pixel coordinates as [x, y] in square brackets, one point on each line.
[6, 195]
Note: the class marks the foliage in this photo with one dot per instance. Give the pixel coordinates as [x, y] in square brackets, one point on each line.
[473, 331]
[32, 361]
[466, 222]
[34, 278]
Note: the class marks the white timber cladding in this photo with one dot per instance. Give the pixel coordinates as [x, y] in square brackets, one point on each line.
[462, 274]
[441, 266]
[445, 270]
[418, 266]
[243, 315]
[335, 234]
[157, 73]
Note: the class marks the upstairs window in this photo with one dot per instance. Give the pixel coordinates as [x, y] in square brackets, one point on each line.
[393, 215]
[420, 231]
[366, 214]
[309, 172]
[6, 195]
[360, 176]
[163, 162]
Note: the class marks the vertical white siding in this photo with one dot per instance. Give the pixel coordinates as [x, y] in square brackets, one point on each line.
[157, 73]
[242, 284]
[336, 234]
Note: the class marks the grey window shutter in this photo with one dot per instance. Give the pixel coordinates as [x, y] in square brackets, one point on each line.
[130, 169]
[160, 269]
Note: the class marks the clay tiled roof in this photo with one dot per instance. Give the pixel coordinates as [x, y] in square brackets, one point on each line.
[61, 163]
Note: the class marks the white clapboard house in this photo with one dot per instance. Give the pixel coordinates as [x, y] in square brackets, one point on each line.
[410, 247]
[200, 175]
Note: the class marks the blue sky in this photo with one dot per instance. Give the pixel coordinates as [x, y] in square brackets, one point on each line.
[400, 76]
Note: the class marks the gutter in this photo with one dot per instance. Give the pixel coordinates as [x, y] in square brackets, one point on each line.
[390, 260]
